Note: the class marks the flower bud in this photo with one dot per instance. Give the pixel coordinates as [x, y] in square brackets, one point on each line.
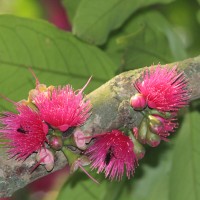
[56, 143]
[139, 150]
[142, 131]
[80, 139]
[156, 123]
[155, 120]
[165, 115]
[45, 157]
[135, 132]
[138, 102]
[152, 139]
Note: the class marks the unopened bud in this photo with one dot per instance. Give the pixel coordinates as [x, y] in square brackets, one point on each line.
[80, 139]
[155, 120]
[152, 139]
[138, 102]
[165, 115]
[56, 143]
[139, 150]
[135, 132]
[143, 131]
[156, 123]
[45, 157]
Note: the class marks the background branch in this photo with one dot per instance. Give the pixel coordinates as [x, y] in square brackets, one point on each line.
[111, 110]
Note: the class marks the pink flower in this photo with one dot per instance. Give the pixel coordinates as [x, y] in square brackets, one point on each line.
[111, 152]
[25, 132]
[162, 126]
[63, 108]
[165, 89]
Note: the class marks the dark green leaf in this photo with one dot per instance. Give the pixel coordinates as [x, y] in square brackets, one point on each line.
[198, 16]
[56, 57]
[150, 39]
[95, 19]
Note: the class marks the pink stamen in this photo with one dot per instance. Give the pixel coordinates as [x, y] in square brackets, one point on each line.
[85, 85]
[36, 79]
[7, 99]
[82, 168]
[37, 164]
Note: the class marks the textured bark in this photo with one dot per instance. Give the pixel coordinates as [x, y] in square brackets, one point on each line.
[111, 110]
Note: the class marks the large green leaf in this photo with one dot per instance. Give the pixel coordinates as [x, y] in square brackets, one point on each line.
[150, 39]
[56, 57]
[185, 174]
[95, 19]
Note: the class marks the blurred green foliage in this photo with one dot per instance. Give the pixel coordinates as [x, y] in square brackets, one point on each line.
[23, 8]
[109, 37]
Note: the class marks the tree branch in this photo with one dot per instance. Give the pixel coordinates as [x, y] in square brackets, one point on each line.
[111, 110]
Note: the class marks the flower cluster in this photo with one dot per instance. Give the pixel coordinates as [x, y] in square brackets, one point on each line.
[43, 124]
[162, 92]
[163, 88]
[47, 110]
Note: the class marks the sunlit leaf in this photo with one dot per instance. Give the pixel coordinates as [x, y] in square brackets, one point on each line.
[95, 19]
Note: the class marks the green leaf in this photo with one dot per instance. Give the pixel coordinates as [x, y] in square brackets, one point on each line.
[71, 7]
[150, 39]
[152, 176]
[80, 187]
[185, 175]
[95, 19]
[57, 57]
[198, 16]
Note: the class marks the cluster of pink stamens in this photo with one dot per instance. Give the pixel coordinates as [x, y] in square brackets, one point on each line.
[112, 152]
[162, 92]
[46, 110]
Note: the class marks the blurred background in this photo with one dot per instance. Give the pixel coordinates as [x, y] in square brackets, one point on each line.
[105, 42]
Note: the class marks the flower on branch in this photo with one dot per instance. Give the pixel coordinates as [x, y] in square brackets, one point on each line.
[162, 126]
[164, 88]
[112, 152]
[62, 108]
[25, 132]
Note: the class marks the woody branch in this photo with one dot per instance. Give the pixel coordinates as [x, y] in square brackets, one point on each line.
[111, 110]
